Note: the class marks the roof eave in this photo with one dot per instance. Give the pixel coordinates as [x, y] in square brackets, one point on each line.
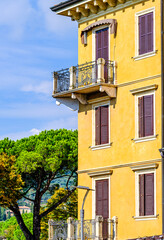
[62, 5]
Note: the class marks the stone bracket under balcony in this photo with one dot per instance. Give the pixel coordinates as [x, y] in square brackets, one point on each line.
[83, 95]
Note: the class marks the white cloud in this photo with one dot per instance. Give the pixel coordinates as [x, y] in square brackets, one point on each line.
[43, 87]
[54, 22]
[19, 135]
[34, 131]
[15, 14]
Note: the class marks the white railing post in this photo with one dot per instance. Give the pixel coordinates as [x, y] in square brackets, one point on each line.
[110, 235]
[70, 228]
[55, 82]
[114, 72]
[72, 71]
[99, 221]
[100, 70]
[50, 230]
[115, 221]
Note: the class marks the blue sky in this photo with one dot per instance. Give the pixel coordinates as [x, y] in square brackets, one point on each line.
[34, 42]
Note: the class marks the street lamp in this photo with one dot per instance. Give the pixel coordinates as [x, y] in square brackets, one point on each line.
[82, 208]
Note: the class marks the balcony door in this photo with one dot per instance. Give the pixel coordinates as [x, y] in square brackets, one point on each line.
[102, 48]
[102, 203]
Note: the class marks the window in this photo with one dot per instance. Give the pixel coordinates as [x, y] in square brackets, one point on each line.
[101, 125]
[145, 191]
[146, 33]
[146, 194]
[146, 115]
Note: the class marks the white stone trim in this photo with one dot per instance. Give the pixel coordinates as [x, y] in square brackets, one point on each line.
[141, 218]
[144, 167]
[147, 138]
[137, 55]
[94, 179]
[102, 146]
[119, 166]
[137, 173]
[100, 173]
[143, 89]
[94, 30]
[96, 147]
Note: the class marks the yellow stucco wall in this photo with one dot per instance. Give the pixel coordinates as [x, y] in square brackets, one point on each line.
[122, 125]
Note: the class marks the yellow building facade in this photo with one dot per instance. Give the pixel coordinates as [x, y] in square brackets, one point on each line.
[118, 97]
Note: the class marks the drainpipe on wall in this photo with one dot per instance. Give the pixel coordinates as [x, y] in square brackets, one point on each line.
[162, 112]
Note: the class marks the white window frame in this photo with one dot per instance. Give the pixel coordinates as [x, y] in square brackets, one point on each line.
[94, 40]
[137, 174]
[147, 138]
[101, 146]
[94, 179]
[149, 54]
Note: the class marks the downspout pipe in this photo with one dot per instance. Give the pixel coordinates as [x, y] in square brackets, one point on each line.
[162, 112]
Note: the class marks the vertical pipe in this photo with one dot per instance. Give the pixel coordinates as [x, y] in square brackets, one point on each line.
[162, 113]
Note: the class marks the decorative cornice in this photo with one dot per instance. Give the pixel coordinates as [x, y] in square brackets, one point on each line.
[118, 166]
[143, 89]
[100, 173]
[144, 167]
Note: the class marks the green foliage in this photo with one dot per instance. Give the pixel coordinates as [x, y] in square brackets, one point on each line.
[38, 162]
[62, 212]
[11, 181]
[11, 230]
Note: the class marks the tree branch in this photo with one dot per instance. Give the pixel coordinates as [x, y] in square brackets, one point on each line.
[70, 178]
[21, 223]
[64, 199]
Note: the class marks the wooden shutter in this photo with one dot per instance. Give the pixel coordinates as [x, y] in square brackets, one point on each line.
[150, 32]
[149, 194]
[98, 44]
[140, 117]
[148, 115]
[104, 125]
[141, 195]
[102, 44]
[97, 125]
[146, 33]
[102, 203]
[99, 197]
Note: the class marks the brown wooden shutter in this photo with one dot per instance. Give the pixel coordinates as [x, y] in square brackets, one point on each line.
[97, 125]
[149, 194]
[140, 116]
[104, 125]
[141, 195]
[148, 116]
[146, 33]
[102, 203]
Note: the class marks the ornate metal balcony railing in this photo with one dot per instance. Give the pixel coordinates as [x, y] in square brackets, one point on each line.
[89, 229]
[85, 74]
[63, 80]
[97, 228]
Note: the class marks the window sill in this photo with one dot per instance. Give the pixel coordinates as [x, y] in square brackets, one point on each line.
[148, 217]
[144, 139]
[145, 55]
[102, 146]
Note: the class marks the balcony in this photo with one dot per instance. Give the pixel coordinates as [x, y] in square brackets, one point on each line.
[93, 229]
[79, 81]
